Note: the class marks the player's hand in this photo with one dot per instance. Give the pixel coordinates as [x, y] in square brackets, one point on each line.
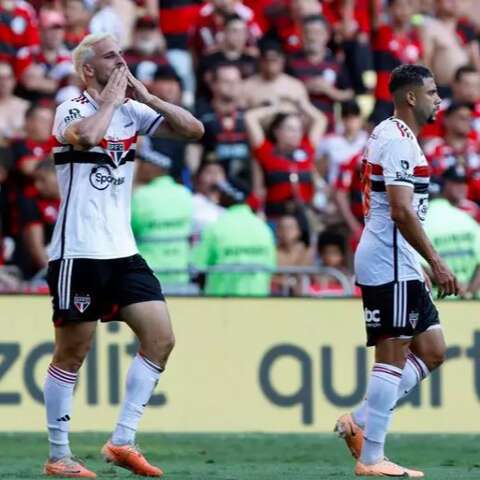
[115, 90]
[139, 90]
[444, 278]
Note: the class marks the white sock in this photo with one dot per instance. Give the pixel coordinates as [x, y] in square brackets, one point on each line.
[413, 373]
[142, 378]
[382, 396]
[58, 395]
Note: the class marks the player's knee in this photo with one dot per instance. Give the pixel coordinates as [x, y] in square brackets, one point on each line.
[158, 349]
[71, 359]
[436, 358]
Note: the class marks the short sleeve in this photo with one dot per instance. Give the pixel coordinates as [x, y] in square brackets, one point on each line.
[67, 114]
[397, 159]
[148, 120]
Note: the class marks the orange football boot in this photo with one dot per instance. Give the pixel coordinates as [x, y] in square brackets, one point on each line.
[129, 457]
[347, 429]
[385, 468]
[67, 467]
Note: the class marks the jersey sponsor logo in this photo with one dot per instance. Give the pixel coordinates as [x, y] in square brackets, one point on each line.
[82, 302]
[101, 178]
[422, 209]
[73, 114]
[372, 317]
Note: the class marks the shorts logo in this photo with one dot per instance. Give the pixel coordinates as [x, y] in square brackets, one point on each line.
[101, 178]
[82, 302]
[372, 317]
[413, 318]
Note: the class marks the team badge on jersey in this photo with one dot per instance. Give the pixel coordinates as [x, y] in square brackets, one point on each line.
[413, 318]
[116, 150]
[82, 302]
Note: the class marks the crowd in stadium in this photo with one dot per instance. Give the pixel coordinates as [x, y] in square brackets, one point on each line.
[287, 90]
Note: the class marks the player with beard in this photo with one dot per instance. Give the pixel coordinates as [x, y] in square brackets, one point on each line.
[401, 320]
[95, 271]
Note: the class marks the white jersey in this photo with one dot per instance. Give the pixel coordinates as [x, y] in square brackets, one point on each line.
[392, 157]
[96, 184]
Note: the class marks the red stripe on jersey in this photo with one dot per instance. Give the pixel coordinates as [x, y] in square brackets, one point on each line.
[423, 171]
[376, 169]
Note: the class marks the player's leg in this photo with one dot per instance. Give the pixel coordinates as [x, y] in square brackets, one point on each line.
[150, 322]
[72, 343]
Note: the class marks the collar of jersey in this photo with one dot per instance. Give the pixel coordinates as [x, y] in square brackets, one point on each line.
[406, 126]
[90, 99]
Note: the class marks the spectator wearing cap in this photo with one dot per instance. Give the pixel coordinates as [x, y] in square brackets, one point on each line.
[225, 136]
[147, 50]
[18, 28]
[208, 29]
[455, 189]
[38, 215]
[449, 42]
[161, 217]
[233, 49]
[327, 80]
[285, 155]
[43, 69]
[77, 17]
[12, 108]
[465, 89]
[167, 85]
[454, 234]
[395, 42]
[272, 84]
[240, 246]
[457, 148]
[206, 199]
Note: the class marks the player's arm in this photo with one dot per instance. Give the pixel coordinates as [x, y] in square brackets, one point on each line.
[405, 218]
[179, 123]
[88, 132]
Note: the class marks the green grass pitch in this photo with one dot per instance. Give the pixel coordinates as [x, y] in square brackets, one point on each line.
[250, 456]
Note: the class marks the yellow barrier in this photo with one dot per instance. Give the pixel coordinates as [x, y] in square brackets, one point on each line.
[240, 365]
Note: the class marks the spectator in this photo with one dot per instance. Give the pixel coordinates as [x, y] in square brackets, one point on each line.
[239, 239]
[349, 140]
[348, 197]
[225, 135]
[332, 255]
[456, 237]
[206, 199]
[161, 217]
[284, 20]
[292, 251]
[36, 146]
[43, 69]
[38, 215]
[272, 84]
[107, 20]
[18, 28]
[12, 108]
[326, 79]
[455, 190]
[147, 50]
[208, 30]
[449, 44]
[168, 86]
[465, 89]
[286, 155]
[232, 50]
[77, 18]
[395, 42]
[456, 148]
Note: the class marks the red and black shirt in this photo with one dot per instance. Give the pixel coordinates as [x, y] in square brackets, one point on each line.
[288, 177]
